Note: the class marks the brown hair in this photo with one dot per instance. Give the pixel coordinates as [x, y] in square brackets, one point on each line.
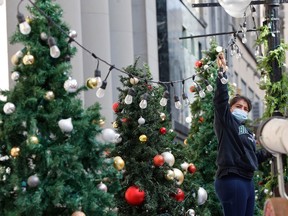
[240, 97]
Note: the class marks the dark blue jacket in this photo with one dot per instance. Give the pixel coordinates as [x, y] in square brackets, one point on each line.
[236, 144]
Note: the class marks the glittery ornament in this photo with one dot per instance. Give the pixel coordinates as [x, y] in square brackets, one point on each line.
[15, 151]
[143, 138]
[71, 85]
[49, 96]
[118, 163]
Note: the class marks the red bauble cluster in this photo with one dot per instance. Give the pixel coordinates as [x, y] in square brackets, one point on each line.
[158, 160]
[198, 64]
[192, 168]
[115, 107]
[134, 196]
[163, 130]
[179, 196]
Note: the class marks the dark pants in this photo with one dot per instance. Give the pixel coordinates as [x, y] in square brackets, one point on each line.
[236, 195]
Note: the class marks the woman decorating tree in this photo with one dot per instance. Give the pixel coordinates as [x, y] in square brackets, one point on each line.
[237, 158]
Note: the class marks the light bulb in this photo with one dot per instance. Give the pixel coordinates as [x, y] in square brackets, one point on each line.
[202, 93]
[54, 50]
[244, 28]
[186, 101]
[188, 119]
[208, 86]
[24, 27]
[164, 99]
[244, 39]
[223, 80]
[129, 97]
[178, 104]
[101, 91]
[143, 102]
[256, 53]
[98, 77]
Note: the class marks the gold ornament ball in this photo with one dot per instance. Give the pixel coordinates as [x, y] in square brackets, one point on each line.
[28, 59]
[15, 151]
[162, 116]
[170, 175]
[78, 213]
[34, 140]
[91, 82]
[101, 122]
[143, 138]
[28, 19]
[115, 124]
[185, 142]
[15, 60]
[179, 176]
[49, 95]
[118, 163]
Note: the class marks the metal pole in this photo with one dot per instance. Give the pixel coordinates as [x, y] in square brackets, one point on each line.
[274, 38]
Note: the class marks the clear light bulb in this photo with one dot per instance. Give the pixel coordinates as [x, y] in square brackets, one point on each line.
[101, 91]
[186, 101]
[129, 97]
[202, 93]
[164, 99]
[208, 86]
[244, 39]
[143, 103]
[188, 119]
[177, 103]
[256, 53]
[24, 27]
[223, 80]
[98, 77]
[54, 50]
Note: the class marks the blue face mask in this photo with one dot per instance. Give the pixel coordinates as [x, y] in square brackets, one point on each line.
[240, 115]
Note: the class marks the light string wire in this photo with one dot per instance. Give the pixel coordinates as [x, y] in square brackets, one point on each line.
[71, 39]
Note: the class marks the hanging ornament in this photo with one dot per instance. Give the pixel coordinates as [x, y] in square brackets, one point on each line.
[115, 124]
[170, 175]
[72, 35]
[192, 168]
[219, 49]
[71, 85]
[185, 142]
[163, 116]
[49, 96]
[115, 107]
[108, 135]
[15, 151]
[66, 125]
[91, 82]
[179, 196]
[9, 108]
[190, 212]
[163, 130]
[134, 196]
[78, 213]
[169, 158]
[118, 163]
[134, 80]
[201, 119]
[101, 186]
[43, 36]
[101, 122]
[188, 119]
[117, 138]
[28, 59]
[141, 121]
[264, 80]
[198, 64]
[158, 160]
[202, 196]
[33, 181]
[15, 76]
[179, 176]
[184, 166]
[143, 138]
[15, 59]
[193, 89]
[33, 139]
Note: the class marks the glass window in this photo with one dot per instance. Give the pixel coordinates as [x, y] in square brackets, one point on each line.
[243, 88]
[184, 34]
[250, 94]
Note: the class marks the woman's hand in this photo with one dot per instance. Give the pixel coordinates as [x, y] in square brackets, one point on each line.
[221, 61]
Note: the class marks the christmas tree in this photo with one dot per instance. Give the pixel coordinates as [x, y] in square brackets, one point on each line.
[151, 183]
[51, 162]
[202, 141]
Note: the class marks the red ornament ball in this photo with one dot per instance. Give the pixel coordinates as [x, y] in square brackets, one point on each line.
[134, 196]
[192, 88]
[179, 196]
[192, 168]
[163, 130]
[158, 160]
[198, 64]
[201, 119]
[150, 87]
[115, 107]
[124, 120]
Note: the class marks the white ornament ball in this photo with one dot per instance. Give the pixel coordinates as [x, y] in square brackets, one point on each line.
[15, 76]
[117, 138]
[33, 181]
[9, 108]
[191, 212]
[206, 67]
[202, 196]
[71, 85]
[65, 125]
[108, 135]
[168, 158]
[141, 121]
[72, 34]
[188, 119]
[219, 49]
[102, 187]
[184, 166]
[134, 80]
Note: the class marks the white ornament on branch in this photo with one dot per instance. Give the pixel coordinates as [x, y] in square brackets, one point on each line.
[66, 125]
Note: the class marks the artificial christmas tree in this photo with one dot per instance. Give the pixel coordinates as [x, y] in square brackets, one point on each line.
[51, 162]
[151, 183]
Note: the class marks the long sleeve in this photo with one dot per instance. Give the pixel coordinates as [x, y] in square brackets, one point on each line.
[263, 155]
